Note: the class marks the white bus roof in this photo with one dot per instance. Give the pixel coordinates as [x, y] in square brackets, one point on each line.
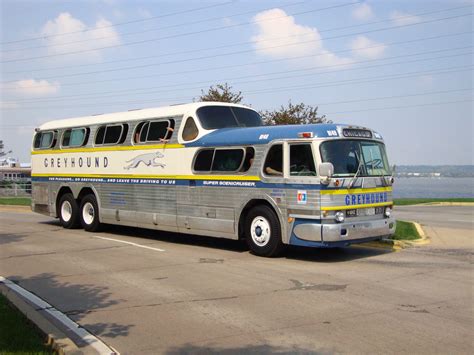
[139, 114]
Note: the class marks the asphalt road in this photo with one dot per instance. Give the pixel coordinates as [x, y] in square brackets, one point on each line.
[171, 293]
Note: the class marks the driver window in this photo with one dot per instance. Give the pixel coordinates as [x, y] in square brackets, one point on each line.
[274, 162]
[301, 160]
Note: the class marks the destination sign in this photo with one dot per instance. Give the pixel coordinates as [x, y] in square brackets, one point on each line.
[359, 133]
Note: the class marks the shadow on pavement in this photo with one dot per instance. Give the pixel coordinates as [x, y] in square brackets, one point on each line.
[327, 255]
[298, 253]
[250, 349]
[74, 300]
[7, 238]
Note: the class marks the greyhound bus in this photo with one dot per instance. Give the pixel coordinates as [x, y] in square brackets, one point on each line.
[213, 169]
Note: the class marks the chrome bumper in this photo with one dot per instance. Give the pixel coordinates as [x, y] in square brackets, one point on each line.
[344, 232]
[358, 230]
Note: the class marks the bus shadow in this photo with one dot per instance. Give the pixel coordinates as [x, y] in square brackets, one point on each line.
[322, 255]
[327, 255]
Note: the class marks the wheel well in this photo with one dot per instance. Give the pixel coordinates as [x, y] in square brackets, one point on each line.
[243, 215]
[84, 192]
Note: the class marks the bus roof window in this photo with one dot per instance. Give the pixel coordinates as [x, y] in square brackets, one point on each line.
[215, 117]
[190, 130]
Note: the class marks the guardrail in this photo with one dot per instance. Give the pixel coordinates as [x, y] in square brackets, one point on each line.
[17, 188]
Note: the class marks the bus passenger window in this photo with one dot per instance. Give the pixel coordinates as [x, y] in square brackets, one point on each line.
[113, 134]
[190, 130]
[203, 160]
[301, 160]
[44, 140]
[157, 131]
[274, 162]
[75, 137]
[227, 159]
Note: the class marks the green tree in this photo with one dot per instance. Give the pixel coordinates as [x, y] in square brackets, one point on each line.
[221, 93]
[2, 147]
[293, 114]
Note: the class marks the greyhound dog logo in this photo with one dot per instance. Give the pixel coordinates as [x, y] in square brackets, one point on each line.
[148, 159]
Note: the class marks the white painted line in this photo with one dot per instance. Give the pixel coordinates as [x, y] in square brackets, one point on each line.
[129, 243]
[65, 321]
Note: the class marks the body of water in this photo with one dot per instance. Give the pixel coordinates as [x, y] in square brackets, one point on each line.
[433, 187]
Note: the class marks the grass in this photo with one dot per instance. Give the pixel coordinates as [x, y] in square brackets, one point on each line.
[17, 334]
[15, 201]
[416, 201]
[406, 231]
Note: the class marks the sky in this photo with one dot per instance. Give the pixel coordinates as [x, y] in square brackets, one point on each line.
[402, 68]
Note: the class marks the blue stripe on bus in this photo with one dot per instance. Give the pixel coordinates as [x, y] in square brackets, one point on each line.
[178, 182]
[185, 182]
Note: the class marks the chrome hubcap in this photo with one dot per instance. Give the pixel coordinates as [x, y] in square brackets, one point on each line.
[66, 211]
[260, 231]
[88, 213]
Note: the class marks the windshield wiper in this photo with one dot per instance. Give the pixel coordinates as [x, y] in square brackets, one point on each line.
[357, 171]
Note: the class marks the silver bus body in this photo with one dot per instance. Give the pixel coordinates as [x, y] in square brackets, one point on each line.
[154, 184]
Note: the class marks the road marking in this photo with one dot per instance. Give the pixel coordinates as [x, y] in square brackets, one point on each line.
[65, 322]
[129, 243]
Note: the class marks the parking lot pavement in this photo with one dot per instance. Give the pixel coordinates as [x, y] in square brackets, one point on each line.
[148, 292]
[450, 227]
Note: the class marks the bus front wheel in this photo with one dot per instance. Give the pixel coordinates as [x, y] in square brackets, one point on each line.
[263, 232]
[90, 214]
[68, 211]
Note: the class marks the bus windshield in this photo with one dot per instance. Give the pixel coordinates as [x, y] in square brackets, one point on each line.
[214, 117]
[366, 158]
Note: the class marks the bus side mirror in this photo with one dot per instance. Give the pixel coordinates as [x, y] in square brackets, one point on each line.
[326, 170]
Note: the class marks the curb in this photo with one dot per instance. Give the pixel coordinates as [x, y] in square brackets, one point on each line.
[397, 245]
[440, 204]
[54, 324]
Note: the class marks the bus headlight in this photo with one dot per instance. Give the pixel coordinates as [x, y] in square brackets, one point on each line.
[388, 212]
[339, 217]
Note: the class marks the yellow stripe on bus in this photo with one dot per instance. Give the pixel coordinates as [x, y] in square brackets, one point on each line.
[107, 149]
[176, 177]
[334, 208]
[355, 191]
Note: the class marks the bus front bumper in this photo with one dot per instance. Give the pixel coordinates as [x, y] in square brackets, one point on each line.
[310, 233]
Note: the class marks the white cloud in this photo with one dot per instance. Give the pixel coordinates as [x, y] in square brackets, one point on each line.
[32, 87]
[80, 40]
[363, 12]
[401, 18]
[275, 30]
[375, 50]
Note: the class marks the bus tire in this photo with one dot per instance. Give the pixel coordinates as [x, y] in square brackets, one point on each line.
[89, 214]
[263, 232]
[68, 211]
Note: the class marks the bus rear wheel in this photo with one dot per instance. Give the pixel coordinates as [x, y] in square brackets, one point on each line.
[68, 211]
[263, 232]
[89, 214]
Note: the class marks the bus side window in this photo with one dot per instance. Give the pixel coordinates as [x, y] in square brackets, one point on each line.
[190, 130]
[44, 140]
[227, 159]
[203, 160]
[249, 157]
[301, 160]
[111, 134]
[274, 162]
